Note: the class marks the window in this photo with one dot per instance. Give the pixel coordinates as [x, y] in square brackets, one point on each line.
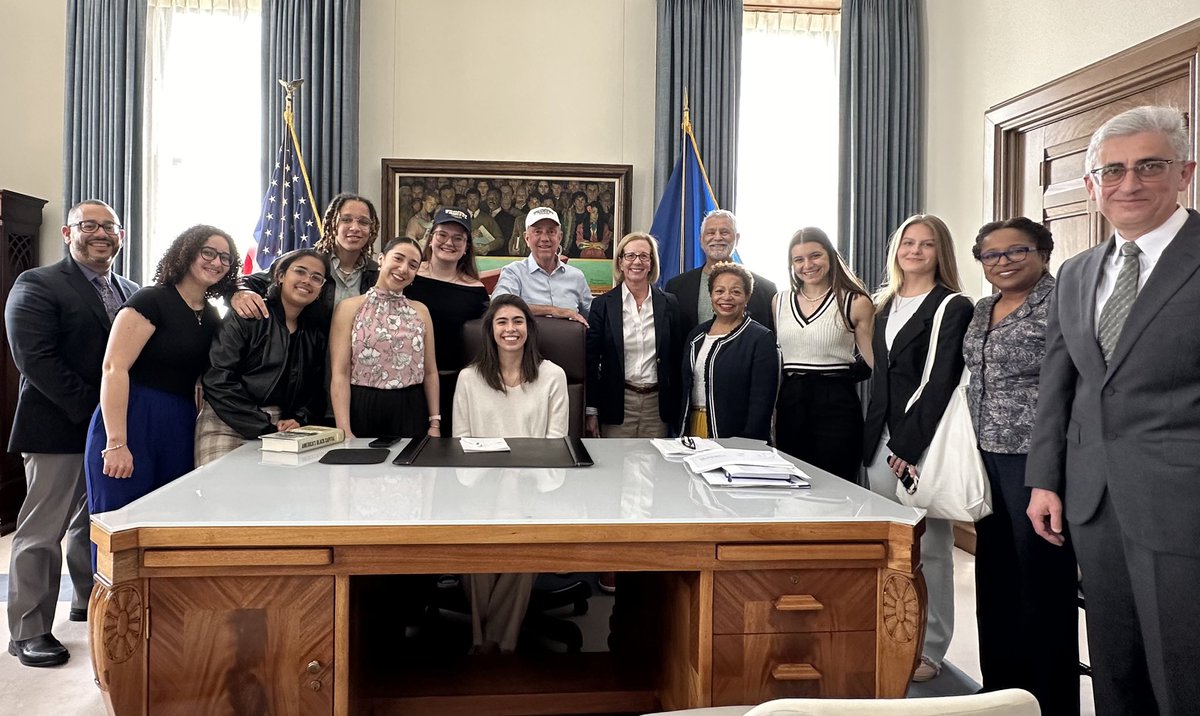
[787, 175]
[203, 122]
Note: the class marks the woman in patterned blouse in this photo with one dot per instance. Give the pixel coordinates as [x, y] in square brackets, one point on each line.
[1026, 587]
[384, 374]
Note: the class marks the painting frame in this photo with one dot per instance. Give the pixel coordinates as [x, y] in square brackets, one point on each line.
[595, 256]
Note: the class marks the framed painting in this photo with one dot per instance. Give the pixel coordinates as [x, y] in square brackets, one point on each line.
[592, 201]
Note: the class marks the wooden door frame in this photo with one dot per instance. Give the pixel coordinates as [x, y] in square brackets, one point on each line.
[1169, 56]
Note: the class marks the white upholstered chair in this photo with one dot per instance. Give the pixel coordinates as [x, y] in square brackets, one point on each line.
[1009, 702]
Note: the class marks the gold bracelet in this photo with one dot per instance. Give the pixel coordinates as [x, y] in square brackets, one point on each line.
[106, 451]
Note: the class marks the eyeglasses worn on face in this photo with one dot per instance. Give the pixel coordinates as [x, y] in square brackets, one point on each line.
[1015, 254]
[347, 220]
[316, 279]
[211, 254]
[447, 236]
[110, 227]
[1147, 170]
[634, 258]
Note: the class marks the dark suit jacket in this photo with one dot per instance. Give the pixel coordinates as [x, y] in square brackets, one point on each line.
[606, 356]
[57, 330]
[686, 287]
[741, 376]
[897, 374]
[1130, 428]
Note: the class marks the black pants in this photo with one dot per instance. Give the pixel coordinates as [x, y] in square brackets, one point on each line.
[1026, 590]
[398, 413]
[818, 419]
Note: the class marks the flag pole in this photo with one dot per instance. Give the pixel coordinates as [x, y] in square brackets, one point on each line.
[290, 86]
[686, 126]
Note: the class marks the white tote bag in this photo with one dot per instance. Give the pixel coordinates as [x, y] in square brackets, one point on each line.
[951, 482]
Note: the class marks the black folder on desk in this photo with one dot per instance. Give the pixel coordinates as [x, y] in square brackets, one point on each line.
[523, 452]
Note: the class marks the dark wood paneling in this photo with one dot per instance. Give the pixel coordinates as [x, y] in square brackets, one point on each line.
[20, 222]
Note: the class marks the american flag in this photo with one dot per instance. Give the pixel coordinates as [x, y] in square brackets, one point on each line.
[287, 221]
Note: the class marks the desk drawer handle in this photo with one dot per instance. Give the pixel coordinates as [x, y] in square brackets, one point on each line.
[798, 603]
[795, 672]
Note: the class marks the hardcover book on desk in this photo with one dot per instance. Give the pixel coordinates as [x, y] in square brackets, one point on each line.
[302, 439]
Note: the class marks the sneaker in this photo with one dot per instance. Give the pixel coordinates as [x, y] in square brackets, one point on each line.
[926, 670]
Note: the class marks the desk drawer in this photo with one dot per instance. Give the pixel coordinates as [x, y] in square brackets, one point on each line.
[753, 668]
[800, 600]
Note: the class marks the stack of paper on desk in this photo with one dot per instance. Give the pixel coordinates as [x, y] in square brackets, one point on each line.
[675, 448]
[746, 468]
[484, 445]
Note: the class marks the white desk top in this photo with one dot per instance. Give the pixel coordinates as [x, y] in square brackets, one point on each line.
[629, 483]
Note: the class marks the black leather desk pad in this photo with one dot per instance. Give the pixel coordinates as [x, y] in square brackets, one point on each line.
[523, 452]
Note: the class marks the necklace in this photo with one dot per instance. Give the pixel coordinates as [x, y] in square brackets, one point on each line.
[900, 302]
[453, 277]
[818, 298]
[199, 315]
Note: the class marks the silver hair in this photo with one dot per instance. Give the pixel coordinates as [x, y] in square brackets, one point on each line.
[1167, 121]
[719, 214]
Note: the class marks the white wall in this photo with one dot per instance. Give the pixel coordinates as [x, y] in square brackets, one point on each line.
[527, 80]
[982, 53]
[32, 61]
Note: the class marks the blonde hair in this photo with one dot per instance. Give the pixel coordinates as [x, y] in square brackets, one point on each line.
[946, 271]
[619, 275]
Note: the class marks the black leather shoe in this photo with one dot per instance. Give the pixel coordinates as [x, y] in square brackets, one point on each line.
[42, 650]
[78, 615]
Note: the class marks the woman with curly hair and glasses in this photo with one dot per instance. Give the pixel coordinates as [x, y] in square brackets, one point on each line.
[351, 226]
[142, 434]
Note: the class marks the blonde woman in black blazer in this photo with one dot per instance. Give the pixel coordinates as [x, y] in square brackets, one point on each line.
[633, 392]
[921, 273]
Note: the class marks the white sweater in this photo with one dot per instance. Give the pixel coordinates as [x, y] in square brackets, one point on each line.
[531, 410]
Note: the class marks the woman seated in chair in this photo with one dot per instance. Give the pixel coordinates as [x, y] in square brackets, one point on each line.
[268, 375]
[508, 391]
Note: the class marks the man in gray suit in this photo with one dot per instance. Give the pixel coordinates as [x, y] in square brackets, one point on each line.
[1116, 446]
[58, 318]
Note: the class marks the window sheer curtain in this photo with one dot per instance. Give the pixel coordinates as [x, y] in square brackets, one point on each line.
[202, 120]
[787, 175]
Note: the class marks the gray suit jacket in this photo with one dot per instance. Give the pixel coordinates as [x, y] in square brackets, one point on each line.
[1130, 428]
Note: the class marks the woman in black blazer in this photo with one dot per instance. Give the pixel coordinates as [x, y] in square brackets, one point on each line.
[633, 343]
[921, 274]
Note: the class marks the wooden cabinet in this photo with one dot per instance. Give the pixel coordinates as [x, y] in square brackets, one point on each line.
[779, 633]
[20, 221]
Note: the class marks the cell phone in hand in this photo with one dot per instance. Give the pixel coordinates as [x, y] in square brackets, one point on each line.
[383, 442]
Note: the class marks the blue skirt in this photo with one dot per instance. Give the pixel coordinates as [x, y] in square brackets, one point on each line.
[160, 428]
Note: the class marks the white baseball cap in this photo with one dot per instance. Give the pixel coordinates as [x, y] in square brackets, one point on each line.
[542, 212]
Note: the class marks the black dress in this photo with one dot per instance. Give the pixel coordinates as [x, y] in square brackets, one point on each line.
[450, 306]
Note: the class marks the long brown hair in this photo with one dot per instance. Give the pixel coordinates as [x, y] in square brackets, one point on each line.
[487, 361]
[329, 224]
[842, 280]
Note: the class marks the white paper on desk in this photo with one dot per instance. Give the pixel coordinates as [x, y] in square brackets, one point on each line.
[674, 448]
[483, 444]
[718, 478]
[713, 459]
[764, 472]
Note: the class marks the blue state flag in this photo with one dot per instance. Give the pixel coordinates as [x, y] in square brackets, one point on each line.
[287, 221]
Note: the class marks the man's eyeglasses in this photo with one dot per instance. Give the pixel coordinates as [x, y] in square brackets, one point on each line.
[110, 227]
[447, 236]
[634, 258]
[316, 279]
[1146, 170]
[210, 254]
[1014, 254]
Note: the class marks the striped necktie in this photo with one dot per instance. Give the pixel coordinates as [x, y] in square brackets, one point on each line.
[1116, 310]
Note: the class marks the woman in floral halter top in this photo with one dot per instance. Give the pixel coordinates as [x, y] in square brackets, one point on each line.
[384, 375]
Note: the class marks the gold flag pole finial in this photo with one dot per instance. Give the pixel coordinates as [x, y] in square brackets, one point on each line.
[289, 86]
[687, 122]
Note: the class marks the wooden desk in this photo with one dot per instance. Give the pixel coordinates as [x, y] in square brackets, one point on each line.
[239, 587]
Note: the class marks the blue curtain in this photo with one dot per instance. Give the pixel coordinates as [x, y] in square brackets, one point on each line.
[882, 118]
[700, 51]
[102, 124]
[316, 40]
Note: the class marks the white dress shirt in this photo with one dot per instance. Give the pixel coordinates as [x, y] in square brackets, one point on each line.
[641, 368]
[1152, 244]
